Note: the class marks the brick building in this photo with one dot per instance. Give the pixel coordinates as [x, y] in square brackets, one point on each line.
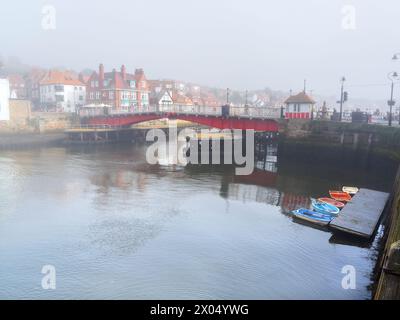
[119, 89]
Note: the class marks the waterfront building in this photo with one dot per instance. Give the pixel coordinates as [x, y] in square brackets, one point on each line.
[17, 86]
[32, 85]
[180, 99]
[4, 100]
[162, 100]
[122, 90]
[299, 106]
[62, 91]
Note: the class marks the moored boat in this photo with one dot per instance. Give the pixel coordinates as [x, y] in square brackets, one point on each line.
[312, 216]
[333, 202]
[350, 190]
[340, 195]
[325, 208]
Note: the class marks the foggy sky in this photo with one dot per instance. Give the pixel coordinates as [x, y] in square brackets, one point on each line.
[247, 44]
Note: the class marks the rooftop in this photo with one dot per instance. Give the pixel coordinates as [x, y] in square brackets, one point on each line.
[301, 97]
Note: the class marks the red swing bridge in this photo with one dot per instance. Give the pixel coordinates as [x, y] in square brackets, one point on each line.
[225, 117]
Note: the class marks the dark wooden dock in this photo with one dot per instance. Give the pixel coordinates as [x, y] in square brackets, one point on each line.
[361, 215]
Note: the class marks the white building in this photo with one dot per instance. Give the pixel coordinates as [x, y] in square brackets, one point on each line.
[62, 92]
[162, 100]
[4, 100]
[299, 106]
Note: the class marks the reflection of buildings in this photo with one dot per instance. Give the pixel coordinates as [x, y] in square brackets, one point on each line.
[292, 202]
[246, 193]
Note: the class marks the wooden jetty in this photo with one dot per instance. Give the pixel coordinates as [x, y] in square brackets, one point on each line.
[361, 215]
[102, 134]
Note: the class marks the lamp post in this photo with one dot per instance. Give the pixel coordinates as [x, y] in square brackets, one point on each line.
[341, 98]
[396, 57]
[392, 76]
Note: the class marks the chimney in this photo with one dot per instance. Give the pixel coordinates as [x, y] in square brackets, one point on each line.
[101, 74]
[115, 77]
[139, 72]
[123, 72]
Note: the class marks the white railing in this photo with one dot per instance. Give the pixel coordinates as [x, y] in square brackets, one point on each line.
[243, 112]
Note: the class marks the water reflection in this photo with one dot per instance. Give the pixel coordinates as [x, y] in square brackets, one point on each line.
[117, 227]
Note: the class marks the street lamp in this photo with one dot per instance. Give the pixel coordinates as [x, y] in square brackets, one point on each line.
[341, 98]
[396, 57]
[392, 76]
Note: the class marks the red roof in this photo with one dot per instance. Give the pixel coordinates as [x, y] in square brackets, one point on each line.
[301, 97]
[116, 80]
[181, 99]
[61, 77]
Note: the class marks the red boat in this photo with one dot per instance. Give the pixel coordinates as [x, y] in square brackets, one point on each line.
[340, 195]
[333, 202]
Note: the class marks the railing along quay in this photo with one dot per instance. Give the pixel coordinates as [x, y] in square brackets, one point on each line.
[240, 112]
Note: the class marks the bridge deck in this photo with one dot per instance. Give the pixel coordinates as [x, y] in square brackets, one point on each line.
[361, 215]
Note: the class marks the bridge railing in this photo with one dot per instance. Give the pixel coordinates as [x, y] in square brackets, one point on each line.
[255, 112]
[243, 112]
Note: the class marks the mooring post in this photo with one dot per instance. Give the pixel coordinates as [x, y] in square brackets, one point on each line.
[355, 140]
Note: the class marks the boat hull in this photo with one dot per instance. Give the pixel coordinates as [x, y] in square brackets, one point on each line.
[333, 202]
[340, 196]
[312, 217]
[350, 190]
[325, 208]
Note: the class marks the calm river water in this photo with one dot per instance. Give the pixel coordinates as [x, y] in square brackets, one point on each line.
[115, 227]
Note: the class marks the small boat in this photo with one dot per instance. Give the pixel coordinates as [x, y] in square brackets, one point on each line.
[340, 195]
[350, 190]
[312, 216]
[333, 202]
[325, 208]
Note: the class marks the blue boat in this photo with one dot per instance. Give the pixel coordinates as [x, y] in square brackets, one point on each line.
[312, 216]
[325, 208]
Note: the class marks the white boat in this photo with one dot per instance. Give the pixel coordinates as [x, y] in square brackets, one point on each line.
[350, 190]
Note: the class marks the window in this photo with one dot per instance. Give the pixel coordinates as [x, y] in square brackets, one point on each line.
[111, 94]
[91, 95]
[96, 84]
[59, 88]
[132, 83]
[97, 95]
[59, 98]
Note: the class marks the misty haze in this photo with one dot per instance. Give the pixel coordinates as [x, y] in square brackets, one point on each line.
[199, 150]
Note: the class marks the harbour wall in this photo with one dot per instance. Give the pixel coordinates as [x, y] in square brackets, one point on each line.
[388, 287]
[324, 138]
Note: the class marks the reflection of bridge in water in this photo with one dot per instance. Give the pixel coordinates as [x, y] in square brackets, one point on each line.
[225, 117]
